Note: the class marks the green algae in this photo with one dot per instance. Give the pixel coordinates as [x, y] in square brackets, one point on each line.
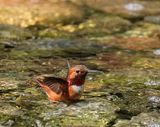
[82, 117]
[121, 48]
[130, 78]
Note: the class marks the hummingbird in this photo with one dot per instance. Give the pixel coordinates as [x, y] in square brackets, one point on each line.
[68, 89]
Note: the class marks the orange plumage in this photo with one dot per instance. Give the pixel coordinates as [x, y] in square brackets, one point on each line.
[69, 89]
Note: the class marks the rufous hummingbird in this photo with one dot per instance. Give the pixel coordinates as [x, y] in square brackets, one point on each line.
[69, 89]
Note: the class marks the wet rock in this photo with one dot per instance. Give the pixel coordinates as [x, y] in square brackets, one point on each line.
[123, 50]
[144, 119]
[65, 44]
[49, 48]
[85, 113]
[154, 101]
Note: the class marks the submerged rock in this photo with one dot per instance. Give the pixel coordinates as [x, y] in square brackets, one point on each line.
[134, 7]
[151, 119]
[85, 113]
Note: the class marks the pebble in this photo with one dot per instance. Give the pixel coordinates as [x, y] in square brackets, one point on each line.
[156, 52]
[152, 83]
[134, 7]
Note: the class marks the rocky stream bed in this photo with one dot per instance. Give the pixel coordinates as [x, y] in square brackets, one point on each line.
[119, 38]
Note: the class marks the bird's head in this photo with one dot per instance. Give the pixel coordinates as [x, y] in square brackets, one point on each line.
[77, 74]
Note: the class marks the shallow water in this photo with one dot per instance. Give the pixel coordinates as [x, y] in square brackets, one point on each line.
[123, 46]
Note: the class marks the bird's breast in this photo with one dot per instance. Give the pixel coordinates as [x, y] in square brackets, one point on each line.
[75, 91]
[77, 88]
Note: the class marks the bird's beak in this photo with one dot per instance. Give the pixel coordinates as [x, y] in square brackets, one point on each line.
[68, 64]
[94, 71]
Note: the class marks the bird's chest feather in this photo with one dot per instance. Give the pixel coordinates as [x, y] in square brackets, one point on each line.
[77, 88]
[75, 91]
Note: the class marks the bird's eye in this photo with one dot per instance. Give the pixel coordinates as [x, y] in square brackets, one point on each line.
[77, 71]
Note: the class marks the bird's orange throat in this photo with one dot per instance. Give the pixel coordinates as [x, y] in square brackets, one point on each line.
[77, 82]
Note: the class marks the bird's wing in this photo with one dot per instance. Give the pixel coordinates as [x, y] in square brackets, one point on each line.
[57, 85]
